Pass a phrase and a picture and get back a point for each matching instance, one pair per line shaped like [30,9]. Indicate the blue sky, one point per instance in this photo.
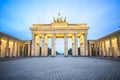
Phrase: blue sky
[17,16]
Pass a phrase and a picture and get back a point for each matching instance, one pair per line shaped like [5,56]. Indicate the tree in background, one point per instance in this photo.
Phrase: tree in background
[70,51]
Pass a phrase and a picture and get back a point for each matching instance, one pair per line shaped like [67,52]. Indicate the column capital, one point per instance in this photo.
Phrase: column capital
[14,41]
[8,39]
[76,33]
[65,33]
[53,33]
[33,34]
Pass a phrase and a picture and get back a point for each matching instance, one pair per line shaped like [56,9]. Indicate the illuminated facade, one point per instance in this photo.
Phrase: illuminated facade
[9,46]
[107,46]
[59,30]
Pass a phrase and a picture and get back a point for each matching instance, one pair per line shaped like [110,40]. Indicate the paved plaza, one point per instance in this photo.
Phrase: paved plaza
[60,68]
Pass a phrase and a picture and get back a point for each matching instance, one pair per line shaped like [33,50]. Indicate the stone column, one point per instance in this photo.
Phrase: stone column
[40,47]
[118,45]
[18,48]
[23,49]
[37,45]
[73,45]
[96,48]
[33,45]
[81,46]
[85,45]
[43,45]
[111,52]
[46,46]
[7,48]
[105,49]
[76,45]
[100,48]
[13,50]
[90,49]
[28,50]
[53,53]
[65,45]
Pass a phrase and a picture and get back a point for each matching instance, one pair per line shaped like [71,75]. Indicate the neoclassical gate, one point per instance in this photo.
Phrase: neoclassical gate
[59,29]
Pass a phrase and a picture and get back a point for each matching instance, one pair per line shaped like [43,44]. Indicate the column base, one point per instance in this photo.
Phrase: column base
[65,55]
[105,56]
[118,56]
[53,56]
[74,56]
[44,55]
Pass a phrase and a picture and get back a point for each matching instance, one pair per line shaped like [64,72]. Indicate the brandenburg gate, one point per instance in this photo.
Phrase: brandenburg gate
[59,28]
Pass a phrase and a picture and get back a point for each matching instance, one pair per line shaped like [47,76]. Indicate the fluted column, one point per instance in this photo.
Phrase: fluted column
[13,50]
[85,45]
[33,44]
[82,45]
[46,46]
[73,45]
[65,45]
[28,55]
[18,48]
[96,48]
[53,45]
[105,49]
[37,45]
[90,49]
[23,49]
[76,45]
[111,52]
[100,49]
[7,48]
[43,45]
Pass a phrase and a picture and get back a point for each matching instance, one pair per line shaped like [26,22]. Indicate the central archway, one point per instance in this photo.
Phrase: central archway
[59,46]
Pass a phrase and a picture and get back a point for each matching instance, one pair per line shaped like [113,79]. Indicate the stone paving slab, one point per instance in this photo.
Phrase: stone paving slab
[12,58]
[60,68]
[109,58]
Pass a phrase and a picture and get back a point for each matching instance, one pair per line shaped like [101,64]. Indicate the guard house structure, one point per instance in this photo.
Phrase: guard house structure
[107,46]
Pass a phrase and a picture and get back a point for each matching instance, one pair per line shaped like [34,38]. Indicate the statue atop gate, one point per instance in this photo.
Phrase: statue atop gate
[59,18]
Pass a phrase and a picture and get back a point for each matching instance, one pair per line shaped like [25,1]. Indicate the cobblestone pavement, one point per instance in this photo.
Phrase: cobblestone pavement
[9,59]
[60,68]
